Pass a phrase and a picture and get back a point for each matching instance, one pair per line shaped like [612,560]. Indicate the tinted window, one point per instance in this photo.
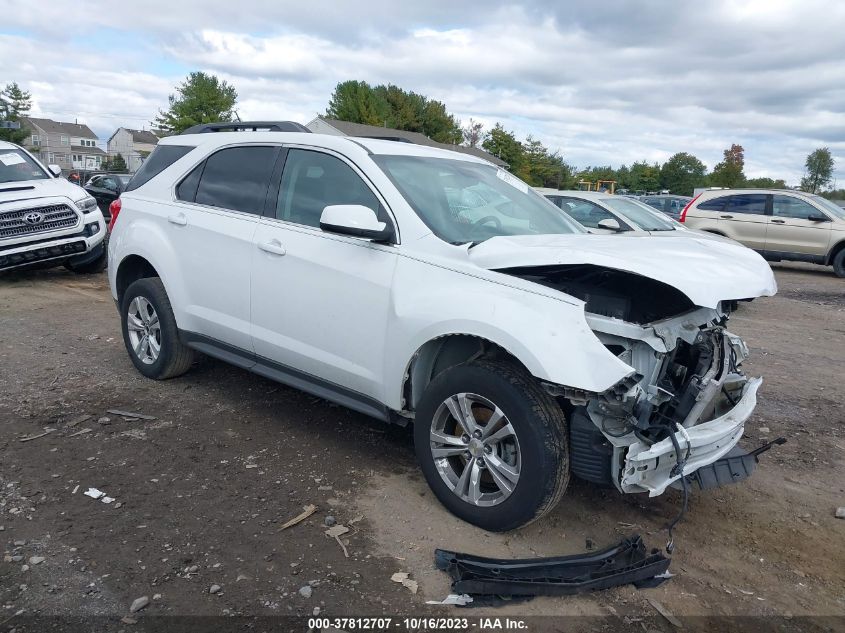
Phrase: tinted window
[312,181]
[237,178]
[639,214]
[751,203]
[163,156]
[187,189]
[585,213]
[716,204]
[789,207]
[109,183]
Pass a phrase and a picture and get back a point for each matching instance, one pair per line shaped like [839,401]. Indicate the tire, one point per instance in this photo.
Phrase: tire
[839,263]
[173,358]
[540,440]
[96,266]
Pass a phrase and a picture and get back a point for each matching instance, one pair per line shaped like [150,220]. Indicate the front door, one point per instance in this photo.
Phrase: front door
[320,301]
[792,231]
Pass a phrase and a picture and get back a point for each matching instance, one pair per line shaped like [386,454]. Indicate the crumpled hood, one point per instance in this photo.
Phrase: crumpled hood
[47,188]
[707,271]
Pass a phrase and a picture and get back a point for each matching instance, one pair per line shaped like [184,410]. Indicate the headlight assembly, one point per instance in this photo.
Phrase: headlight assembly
[86,204]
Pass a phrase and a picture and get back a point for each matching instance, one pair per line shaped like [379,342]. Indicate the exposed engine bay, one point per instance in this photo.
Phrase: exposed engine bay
[684,405]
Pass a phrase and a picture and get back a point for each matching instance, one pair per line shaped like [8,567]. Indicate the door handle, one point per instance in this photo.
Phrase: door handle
[273,247]
[178,219]
[727,217]
[778,221]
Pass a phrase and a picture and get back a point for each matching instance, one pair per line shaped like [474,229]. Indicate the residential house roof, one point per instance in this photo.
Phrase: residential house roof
[390,134]
[57,127]
[138,136]
[79,149]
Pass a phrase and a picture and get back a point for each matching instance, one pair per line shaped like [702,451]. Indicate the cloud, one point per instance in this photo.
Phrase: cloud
[626,82]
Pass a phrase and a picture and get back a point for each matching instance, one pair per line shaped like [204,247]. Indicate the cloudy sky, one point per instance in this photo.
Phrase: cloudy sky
[604,82]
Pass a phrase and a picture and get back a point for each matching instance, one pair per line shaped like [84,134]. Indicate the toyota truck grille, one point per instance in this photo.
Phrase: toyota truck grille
[24,222]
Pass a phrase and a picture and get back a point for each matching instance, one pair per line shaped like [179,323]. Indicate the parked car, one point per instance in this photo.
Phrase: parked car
[419,285]
[46,220]
[106,188]
[605,213]
[668,204]
[779,224]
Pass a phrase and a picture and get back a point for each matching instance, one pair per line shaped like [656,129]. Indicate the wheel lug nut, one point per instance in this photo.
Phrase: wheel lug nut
[477,434]
[467,454]
[488,449]
[465,438]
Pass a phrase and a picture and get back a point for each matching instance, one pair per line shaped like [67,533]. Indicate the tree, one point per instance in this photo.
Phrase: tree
[765,183]
[819,167]
[391,106]
[14,106]
[201,98]
[504,145]
[472,133]
[118,164]
[729,172]
[356,102]
[682,173]
[643,177]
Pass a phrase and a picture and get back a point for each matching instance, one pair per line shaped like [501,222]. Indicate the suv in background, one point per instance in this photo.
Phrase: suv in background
[419,285]
[779,224]
[46,220]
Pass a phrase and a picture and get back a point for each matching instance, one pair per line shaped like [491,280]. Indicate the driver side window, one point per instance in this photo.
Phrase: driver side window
[585,213]
[789,207]
[311,181]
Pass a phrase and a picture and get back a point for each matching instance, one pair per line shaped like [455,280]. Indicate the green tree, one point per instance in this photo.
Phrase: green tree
[356,102]
[391,106]
[819,166]
[682,173]
[473,134]
[644,177]
[504,145]
[118,164]
[729,173]
[765,183]
[201,98]
[14,106]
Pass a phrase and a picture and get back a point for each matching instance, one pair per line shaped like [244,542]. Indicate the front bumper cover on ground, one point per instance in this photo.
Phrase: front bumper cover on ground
[629,562]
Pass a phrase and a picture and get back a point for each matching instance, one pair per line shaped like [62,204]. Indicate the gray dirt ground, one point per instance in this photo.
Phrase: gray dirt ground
[202,490]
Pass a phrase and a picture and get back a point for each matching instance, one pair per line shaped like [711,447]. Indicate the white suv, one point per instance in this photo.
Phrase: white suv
[44,219]
[420,285]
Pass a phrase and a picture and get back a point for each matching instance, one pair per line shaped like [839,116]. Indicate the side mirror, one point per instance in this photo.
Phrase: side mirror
[818,217]
[55,170]
[356,220]
[610,224]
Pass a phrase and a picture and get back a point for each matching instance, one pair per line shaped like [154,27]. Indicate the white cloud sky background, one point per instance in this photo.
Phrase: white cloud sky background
[604,83]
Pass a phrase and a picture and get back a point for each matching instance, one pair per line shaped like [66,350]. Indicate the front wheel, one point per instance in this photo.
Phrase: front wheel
[492,444]
[150,333]
[839,263]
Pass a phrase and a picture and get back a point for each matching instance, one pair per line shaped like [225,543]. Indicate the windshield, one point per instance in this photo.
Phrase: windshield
[462,202]
[16,165]
[830,207]
[639,214]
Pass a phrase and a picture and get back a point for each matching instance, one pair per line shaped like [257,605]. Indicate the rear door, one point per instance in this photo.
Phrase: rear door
[791,231]
[212,226]
[744,218]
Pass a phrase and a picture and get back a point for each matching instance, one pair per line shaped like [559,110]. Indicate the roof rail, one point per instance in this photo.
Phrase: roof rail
[243,126]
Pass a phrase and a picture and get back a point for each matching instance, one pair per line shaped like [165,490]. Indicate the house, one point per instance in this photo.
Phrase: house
[133,145]
[68,145]
[322,125]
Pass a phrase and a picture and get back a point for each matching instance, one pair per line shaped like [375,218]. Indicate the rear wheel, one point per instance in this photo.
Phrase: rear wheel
[492,444]
[150,333]
[839,263]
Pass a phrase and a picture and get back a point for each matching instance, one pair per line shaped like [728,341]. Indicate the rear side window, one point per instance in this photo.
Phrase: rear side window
[236,178]
[716,204]
[752,203]
[187,189]
[163,156]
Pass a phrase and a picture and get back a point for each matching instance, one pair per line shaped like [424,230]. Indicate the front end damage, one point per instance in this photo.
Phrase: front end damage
[687,384]
[683,407]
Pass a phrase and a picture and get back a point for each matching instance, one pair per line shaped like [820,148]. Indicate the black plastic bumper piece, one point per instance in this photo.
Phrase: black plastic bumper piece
[629,562]
[732,468]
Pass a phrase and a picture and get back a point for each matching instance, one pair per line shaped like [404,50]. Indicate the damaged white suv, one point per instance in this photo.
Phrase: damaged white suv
[420,285]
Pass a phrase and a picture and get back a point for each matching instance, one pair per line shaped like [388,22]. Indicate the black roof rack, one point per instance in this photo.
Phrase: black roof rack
[252,126]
